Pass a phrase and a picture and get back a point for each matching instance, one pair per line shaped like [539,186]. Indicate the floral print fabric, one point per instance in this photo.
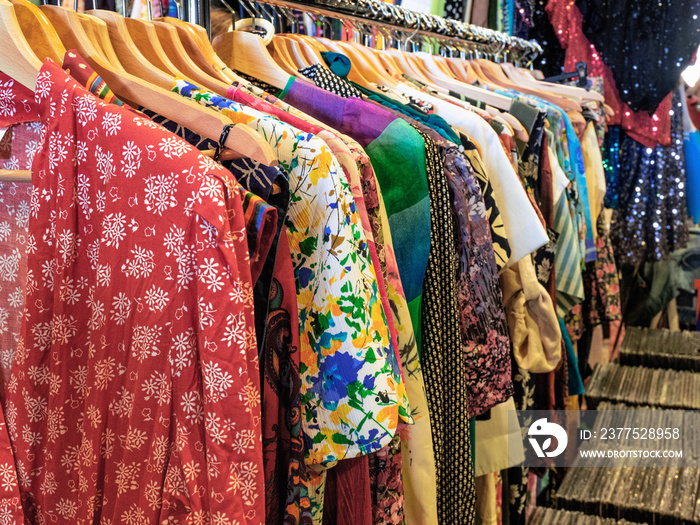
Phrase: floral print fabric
[485,340]
[128,370]
[16,152]
[17,149]
[416,442]
[352,392]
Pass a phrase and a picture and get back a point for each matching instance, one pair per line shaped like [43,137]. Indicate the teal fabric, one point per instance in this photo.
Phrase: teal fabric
[339,64]
[574,167]
[434,121]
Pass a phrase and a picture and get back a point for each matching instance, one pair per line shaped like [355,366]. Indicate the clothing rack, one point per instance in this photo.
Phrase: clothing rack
[391,18]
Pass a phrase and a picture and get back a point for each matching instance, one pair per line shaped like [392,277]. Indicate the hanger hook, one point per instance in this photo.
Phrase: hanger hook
[149,10]
[245,5]
[412,35]
[291,20]
[227,6]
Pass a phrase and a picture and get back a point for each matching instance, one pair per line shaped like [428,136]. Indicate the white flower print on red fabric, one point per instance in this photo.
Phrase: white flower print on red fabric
[125,365]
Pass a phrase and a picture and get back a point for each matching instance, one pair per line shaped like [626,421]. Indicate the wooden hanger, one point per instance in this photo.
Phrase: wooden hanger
[494,100]
[464,67]
[308,52]
[437,77]
[390,65]
[517,76]
[387,65]
[17,58]
[298,57]
[282,55]
[402,61]
[129,55]
[196,41]
[373,69]
[495,74]
[441,63]
[144,35]
[101,38]
[38,31]
[209,49]
[174,49]
[251,57]
[19,62]
[136,91]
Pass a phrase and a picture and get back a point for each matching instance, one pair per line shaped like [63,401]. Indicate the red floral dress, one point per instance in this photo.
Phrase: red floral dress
[134,396]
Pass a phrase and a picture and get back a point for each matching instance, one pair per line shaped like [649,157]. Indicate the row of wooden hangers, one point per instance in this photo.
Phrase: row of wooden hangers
[140,59]
[286,53]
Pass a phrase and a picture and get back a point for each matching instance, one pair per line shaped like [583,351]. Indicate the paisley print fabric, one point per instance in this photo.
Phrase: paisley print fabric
[485,340]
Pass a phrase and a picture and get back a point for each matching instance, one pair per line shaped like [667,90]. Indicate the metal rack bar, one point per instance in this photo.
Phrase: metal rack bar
[387,16]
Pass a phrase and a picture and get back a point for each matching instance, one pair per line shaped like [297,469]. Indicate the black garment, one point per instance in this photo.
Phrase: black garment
[441,355]
[326,79]
[649,222]
[522,18]
[455,9]
[646,44]
[551,62]
[516,495]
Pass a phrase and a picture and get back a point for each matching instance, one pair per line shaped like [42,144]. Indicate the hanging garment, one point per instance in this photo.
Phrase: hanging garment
[418,462]
[610,150]
[385,469]
[501,247]
[344,483]
[158,429]
[649,130]
[650,221]
[286,481]
[497,441]
[16,153]
[390,148]
[570,157]
[485,340]
[441,359]
[525,233]
[455,9]
[17,150]
[567,269]
[340,390]
[646,45]
[484,336]
[326,79]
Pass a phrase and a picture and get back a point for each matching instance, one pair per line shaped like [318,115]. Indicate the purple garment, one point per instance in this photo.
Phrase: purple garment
[363,121]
